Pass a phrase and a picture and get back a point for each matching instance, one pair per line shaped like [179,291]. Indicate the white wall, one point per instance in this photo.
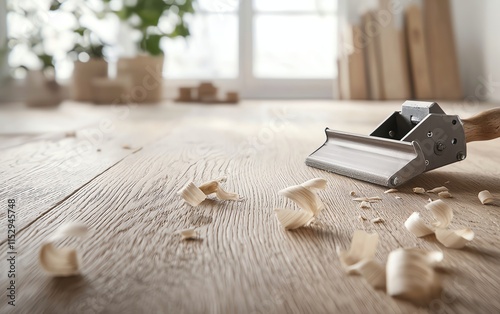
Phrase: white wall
[491,50]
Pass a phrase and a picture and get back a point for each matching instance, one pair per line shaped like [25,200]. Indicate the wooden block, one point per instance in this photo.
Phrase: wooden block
[357,68]
[444,72]
[232,97]
[417,49]
[185,94]
[370,30]
[352,72]
[207,92]
[394,65]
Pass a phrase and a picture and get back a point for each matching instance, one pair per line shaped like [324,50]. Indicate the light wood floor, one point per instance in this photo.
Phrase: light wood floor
[244,262]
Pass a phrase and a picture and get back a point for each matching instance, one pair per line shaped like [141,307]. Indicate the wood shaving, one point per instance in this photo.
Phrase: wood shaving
[445,194]
[292,219]
[315,184]
[304,195]
[408,274]
[363,248]
[398,197]
[377,220]
[391,191]
[418,190]
[353,193]
[62,262]
[447,182]
[373,272]
[411,276]
[454,239]
[362,218]
[365,205]
[360,258]
[429,200]
[417,226]
[126,146]
[485,197]
[70,134]
[443,214]
[194,195]
[438,189]
[188,234]
[372,199]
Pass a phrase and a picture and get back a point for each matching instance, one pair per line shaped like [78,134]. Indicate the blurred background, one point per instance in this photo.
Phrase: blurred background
[99,50]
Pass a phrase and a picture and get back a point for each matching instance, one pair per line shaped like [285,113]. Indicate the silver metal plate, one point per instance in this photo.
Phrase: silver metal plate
[377,160]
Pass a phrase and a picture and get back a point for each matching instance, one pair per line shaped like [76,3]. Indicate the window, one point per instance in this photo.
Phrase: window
[263,48]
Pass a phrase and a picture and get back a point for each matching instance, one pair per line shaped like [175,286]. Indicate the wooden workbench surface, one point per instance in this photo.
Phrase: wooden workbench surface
[120,175]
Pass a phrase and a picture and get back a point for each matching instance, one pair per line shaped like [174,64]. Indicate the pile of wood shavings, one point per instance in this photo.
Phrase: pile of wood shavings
[408,274]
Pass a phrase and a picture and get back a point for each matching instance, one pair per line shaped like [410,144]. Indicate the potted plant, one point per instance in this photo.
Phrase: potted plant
[143,18]
[39,62]
[87,51]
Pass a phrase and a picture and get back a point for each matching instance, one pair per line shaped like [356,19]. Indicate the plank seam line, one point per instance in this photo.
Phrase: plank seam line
[73,193]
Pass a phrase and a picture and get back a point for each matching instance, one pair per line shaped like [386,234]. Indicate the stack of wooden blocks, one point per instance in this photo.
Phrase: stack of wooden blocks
[379,61]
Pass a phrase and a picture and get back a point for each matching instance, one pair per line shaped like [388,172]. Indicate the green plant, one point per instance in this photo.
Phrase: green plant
[32,38]
[145,16]
[85,40]
[42,39]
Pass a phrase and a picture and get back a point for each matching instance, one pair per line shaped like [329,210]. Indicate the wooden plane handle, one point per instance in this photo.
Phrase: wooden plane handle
[483,126]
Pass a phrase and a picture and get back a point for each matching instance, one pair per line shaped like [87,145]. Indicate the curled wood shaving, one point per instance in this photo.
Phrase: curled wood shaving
[441,212]
[62,262]
[445,194]
[391,191]
[353,193]
[365,205]
[293,219]
[454,239]
[315,184]
[377,220]
[438,189]
[360,258]
[485,197]
[417,226]
[188,234]
[429,200]
[362,218]
[363,248]
[194,195]
[418,190]
[373,272]
[304,195]
[410,275]
[398,197]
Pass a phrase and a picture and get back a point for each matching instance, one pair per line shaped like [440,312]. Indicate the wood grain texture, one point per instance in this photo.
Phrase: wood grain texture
[445,74]
[483,126]
[244,262]
[44,169]
[417,49]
